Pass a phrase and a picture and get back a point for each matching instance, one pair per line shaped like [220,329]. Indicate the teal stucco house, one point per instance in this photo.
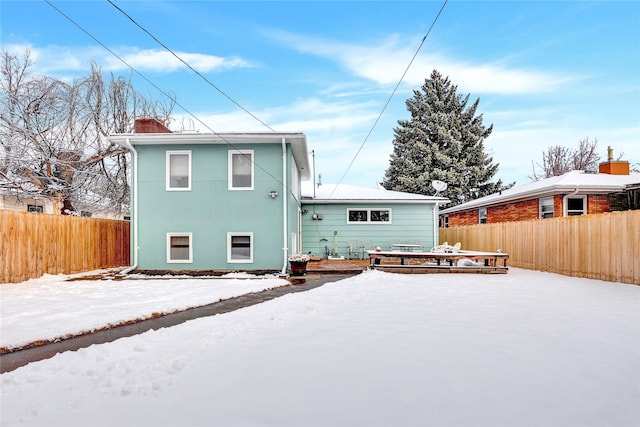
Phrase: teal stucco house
[205,201]
[233,202]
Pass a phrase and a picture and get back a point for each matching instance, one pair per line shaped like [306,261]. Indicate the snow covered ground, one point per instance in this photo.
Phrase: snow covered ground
[379,349]
[51,307]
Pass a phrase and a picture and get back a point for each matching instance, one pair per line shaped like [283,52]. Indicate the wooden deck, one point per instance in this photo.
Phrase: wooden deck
[438,262]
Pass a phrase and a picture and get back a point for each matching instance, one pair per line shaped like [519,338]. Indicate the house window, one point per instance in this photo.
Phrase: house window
[379,215]
[368,216]
[239,247]
[35,208]
[179,248]
[576,205]
[178,170]
[446,221]
[482,216]
[85,214]
[357,216]
[546,207]
[241,170]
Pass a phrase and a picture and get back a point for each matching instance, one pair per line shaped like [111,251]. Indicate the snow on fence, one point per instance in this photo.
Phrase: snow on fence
[35,244]
[603,246]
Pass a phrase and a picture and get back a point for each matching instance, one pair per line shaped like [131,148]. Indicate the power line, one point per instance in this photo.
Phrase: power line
[390,97]
[158,88]
[168,49]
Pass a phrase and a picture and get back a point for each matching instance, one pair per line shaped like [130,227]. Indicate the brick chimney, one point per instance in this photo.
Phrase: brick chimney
[614,167]
[150,125]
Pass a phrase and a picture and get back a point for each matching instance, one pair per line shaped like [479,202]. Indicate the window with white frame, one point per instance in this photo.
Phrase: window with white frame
[241,170]
[35,208]
[179,248]
[178,170]
[368,216]
[482,216]
[576,205]
[239,247]
[546,207]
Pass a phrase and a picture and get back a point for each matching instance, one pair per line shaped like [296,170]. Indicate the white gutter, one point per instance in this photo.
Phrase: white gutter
[134,185]
[436,224]
[285,219]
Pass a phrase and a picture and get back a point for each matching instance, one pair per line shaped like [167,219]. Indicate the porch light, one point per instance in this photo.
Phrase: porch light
[273,194]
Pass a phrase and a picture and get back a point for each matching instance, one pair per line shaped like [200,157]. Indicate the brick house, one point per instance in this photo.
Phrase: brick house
[612,188]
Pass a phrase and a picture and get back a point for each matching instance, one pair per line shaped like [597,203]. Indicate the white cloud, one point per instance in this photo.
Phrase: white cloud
[53,60]
[304,115]
[164,61]
[384,63]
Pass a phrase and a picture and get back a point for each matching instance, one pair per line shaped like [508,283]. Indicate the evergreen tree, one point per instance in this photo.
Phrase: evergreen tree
[443,141]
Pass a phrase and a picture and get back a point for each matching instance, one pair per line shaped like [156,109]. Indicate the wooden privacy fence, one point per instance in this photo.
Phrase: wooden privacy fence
[603,246]
[34,244]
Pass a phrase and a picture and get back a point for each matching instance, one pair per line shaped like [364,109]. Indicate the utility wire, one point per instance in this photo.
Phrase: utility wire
[168,49]
[395,89]
[157,88]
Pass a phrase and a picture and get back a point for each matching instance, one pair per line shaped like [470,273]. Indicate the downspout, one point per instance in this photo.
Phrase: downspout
[285,219]
[134,218]
[435,225]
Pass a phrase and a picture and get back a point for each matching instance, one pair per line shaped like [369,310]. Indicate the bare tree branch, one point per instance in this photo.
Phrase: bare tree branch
[559,159]
[53,134]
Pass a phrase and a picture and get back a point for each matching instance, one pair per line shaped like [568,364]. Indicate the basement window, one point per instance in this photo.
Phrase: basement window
[35,208]
[179,248]
[240,247]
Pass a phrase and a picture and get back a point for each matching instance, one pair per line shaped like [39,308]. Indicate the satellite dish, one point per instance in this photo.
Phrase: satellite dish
[438,185]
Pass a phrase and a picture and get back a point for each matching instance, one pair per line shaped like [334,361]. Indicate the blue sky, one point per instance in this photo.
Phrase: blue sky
[546,73]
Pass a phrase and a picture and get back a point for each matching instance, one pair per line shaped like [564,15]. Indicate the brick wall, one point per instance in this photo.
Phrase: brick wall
[597,204]
[463,218]
[526,210]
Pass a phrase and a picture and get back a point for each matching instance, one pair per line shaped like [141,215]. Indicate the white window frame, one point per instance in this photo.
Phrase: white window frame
[482,211]
[179,261]
[542,204]
[368,210]
[230,169]
[168,170]
[35,208]
[230,236]
[566,204]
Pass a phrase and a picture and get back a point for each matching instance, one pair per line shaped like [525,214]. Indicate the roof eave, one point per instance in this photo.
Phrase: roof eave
[527,195]
[376,201]
[297,140]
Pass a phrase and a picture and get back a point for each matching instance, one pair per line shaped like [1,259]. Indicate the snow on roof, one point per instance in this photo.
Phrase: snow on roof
[333,193]
[583,182]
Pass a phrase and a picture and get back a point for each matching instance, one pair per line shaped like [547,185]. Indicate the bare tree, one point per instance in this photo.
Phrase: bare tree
[559,159]
[53,135]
